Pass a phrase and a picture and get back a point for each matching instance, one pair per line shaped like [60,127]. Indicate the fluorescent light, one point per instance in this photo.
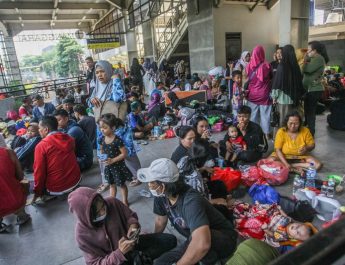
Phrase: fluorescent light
[79,23]
[20,18]
[83,17]
[22,25]
[17,10]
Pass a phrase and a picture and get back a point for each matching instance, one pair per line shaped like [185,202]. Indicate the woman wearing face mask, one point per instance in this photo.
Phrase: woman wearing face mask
[105,228]
[187,137]
[313,68]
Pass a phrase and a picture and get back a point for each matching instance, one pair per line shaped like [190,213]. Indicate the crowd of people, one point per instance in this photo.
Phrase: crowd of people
[59,140]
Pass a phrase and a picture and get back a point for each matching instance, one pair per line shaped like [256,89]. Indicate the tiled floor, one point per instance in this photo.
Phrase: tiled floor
[49,238]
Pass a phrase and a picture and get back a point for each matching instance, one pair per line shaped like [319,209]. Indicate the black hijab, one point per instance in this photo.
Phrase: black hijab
[288,77]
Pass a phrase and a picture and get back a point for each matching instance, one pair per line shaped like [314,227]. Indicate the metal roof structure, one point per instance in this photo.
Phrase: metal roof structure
[19,15]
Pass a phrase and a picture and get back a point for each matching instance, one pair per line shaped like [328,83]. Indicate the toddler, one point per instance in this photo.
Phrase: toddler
[237,142]
[237,92]
[113,154]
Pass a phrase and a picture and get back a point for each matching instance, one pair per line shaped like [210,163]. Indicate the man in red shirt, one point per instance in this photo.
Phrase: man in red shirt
[56,170]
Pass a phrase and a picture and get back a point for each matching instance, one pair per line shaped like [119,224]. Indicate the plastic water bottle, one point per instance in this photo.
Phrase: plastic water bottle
[330,188]
[310,176]
[324,188]
[298,183]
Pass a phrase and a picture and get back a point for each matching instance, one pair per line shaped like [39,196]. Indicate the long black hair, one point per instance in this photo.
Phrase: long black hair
[320,49]
[288,77]
[182,131]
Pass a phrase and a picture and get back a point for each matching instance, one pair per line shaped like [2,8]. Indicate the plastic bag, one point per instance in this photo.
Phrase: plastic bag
[249,175]
[230,177]
[274,172]
[264,194]
[12,115]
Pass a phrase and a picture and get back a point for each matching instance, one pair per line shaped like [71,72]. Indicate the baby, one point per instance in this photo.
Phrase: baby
[237,142]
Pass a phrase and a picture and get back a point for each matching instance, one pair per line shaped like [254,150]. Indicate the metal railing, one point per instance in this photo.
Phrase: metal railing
[172,27]
[44,87]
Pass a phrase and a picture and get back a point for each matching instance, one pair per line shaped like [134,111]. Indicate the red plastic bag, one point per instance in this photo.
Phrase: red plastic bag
[169,133]
[249,175]
[12,115]
[274,172]
[230,177]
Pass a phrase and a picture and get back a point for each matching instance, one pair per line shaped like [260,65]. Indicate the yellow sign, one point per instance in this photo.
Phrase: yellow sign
[94,46]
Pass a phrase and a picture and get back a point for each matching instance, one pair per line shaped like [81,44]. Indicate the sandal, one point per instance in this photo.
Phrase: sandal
[102,188]
[23,219]
[134,183]
[4,228]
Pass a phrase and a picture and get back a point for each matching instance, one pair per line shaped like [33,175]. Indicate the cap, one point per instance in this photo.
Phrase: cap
[162,169]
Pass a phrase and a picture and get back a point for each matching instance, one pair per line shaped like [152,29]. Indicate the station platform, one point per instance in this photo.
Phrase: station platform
[48,239]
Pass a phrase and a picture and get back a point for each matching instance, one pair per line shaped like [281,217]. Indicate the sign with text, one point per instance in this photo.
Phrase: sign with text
[103,43]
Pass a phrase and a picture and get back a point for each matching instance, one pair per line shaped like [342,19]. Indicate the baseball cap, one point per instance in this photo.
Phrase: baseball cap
[162,169]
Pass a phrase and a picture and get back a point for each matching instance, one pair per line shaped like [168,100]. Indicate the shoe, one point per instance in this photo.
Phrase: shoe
[134,183]
[23,219]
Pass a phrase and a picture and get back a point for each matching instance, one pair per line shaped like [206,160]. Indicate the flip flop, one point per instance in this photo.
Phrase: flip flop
[134,183]
[102,188]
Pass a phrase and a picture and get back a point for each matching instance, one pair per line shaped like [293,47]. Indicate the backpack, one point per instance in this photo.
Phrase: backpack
[300,211]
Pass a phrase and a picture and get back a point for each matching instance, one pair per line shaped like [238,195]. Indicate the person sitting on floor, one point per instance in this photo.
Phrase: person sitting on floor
[25,110]
[25,153]
[293,144]
[136,122]
[107,231]
[67,105]
[253,136]
[84,149]
[13,197]
[41,108]
[87,123]
[56,170]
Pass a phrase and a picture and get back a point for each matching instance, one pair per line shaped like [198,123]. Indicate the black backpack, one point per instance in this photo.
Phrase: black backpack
[300,211]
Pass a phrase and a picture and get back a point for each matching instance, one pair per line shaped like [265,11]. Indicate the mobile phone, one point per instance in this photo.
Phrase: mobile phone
[135,234]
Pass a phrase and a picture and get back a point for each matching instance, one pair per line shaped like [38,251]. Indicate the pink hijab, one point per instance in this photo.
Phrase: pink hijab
[257,58]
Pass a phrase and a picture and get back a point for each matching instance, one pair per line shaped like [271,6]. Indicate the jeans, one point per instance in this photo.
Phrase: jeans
[223,244]
[261,115]
[310,105]
[153,245]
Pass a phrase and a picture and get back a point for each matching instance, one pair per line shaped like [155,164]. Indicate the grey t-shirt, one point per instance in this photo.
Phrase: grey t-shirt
[190,212]
[88,124]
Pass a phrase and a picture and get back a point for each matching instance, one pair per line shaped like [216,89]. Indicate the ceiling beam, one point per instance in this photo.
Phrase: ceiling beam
[116,3]
[271,4]
[50,5]
[48,17]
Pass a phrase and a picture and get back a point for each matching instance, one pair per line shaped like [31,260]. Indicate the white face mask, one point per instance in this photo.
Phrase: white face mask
[100,218]
[155,193]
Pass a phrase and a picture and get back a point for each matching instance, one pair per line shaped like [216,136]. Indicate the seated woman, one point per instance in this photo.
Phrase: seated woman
[156,109]
[136,122]
[13,198]
[186,134]
[293,144]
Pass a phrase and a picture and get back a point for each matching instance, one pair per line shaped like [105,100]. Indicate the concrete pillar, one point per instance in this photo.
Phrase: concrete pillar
[201,35]
[148,41]
[131,41]
[285,23]
[299,23]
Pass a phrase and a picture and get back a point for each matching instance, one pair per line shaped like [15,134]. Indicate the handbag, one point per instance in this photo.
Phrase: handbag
[275,116]
[246,84]
[119,109]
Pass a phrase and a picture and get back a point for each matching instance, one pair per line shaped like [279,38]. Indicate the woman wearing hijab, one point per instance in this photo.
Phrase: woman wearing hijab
[137,72]
[287,87]
[155,108]
[259,88]
[243,61]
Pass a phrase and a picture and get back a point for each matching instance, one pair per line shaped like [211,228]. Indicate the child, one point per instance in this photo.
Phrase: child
[26,152]
[137,123]
[237,142]
[222,99]
[270,224]
[116,171]
[77,95]
[237,92]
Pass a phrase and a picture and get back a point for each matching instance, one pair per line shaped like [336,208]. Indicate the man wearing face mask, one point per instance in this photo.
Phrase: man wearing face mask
[106,229]
[209,236]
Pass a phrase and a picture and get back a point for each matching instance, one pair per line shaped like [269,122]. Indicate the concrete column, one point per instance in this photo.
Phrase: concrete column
[131,41]
[148,41]
[285,23]
[299,23]
[201,35]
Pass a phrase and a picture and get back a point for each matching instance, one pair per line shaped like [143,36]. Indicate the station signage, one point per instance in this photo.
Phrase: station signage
[103,43]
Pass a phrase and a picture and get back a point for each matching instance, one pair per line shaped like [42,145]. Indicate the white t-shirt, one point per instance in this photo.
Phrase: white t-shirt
[41,109]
